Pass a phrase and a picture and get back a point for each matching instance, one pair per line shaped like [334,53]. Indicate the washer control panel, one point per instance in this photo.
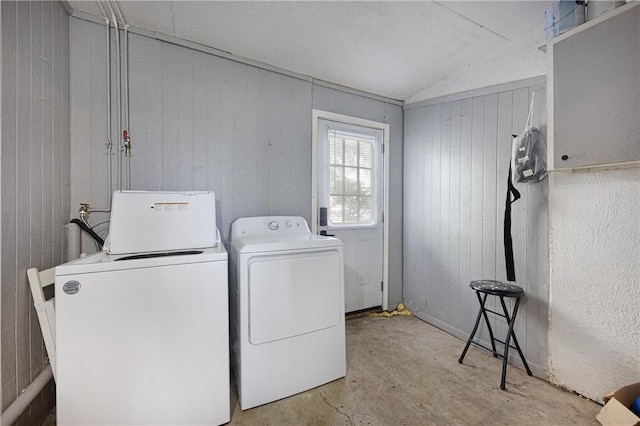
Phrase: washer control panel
[266,226]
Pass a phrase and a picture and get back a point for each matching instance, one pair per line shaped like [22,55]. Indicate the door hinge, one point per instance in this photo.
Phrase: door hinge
[381,286]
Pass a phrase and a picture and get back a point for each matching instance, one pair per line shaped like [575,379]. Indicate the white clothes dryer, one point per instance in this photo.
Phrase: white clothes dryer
[142,338]
[287,308]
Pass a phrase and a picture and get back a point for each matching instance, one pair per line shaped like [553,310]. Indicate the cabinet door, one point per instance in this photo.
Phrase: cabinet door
[595,77]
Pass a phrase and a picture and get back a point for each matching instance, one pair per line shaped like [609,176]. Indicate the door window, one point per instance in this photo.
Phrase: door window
[353,182]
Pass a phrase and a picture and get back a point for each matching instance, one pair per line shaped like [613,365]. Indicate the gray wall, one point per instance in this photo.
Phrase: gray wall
[34,182]
[200,121]
[456,159]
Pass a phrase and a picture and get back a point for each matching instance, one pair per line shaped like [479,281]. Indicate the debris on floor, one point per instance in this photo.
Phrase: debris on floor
[400,310]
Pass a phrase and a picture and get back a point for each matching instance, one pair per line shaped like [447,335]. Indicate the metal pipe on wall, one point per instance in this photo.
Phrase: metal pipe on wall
[109,142]
[126,101]
[119,96]
[125,57]
[110,11]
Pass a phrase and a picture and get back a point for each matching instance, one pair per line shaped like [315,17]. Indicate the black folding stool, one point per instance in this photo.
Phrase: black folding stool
[502,290]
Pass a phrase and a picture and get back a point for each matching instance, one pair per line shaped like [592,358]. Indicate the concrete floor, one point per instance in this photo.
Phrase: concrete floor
[402,371]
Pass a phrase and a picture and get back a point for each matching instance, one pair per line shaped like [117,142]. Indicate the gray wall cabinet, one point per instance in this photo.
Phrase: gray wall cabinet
[594,76]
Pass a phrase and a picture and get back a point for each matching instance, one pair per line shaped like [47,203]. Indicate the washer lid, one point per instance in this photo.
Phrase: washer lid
[103,262]
[282,243]
[151,221]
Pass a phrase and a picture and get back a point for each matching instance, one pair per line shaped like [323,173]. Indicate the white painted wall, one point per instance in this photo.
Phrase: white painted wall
[594,337]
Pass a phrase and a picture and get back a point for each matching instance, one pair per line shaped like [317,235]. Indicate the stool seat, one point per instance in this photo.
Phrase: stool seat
[484,288]
[497,288]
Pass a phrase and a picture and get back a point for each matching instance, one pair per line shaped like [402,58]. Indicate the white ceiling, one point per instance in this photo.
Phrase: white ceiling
[401,50]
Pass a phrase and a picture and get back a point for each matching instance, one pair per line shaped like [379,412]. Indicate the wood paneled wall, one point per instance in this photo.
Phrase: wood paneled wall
[34,182]
[199,121]
[456,159]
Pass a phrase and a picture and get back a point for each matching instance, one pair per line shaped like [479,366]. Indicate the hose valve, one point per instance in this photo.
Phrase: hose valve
[127,143]
[84,209]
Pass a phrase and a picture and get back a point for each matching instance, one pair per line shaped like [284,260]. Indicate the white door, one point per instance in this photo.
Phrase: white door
[349,202]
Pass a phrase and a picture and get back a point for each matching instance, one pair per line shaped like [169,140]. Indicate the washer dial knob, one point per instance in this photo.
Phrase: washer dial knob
[273,225]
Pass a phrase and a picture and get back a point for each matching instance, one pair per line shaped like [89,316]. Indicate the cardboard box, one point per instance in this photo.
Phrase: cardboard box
[616,411]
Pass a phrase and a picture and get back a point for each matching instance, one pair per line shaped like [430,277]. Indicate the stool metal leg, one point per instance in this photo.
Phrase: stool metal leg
[486,320]
[513,334]
[481,313]
[510,333]
[475,327]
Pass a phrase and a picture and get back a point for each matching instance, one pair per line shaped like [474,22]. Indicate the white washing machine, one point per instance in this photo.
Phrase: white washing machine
[287,308]
[142,336]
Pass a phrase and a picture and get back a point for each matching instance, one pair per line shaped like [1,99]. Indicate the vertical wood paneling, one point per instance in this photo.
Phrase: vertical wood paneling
[394,116]
[200,122]
[139,130]
[426,258]
[35,182]
[8,217]
[47,131]
[456,159]
[149,120]
[221,162]
[489,195]
[466,297]
[89,120]
[444,213]
[83,115]
[94,86]
[184,140]
[454,214]
[412,198]
[476,198]
[170,119]
[23,184]
[434,212]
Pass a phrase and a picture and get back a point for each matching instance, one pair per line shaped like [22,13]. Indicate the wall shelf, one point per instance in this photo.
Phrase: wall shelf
[599,167]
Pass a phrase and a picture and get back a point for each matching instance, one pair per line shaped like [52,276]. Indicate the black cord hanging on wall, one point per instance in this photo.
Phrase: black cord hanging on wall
[508,241]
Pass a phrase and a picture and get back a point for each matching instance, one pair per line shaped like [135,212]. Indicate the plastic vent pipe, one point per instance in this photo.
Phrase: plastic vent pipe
[27,396]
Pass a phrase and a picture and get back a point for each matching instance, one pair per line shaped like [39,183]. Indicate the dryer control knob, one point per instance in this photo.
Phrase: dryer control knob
[273,225]
[287,223]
